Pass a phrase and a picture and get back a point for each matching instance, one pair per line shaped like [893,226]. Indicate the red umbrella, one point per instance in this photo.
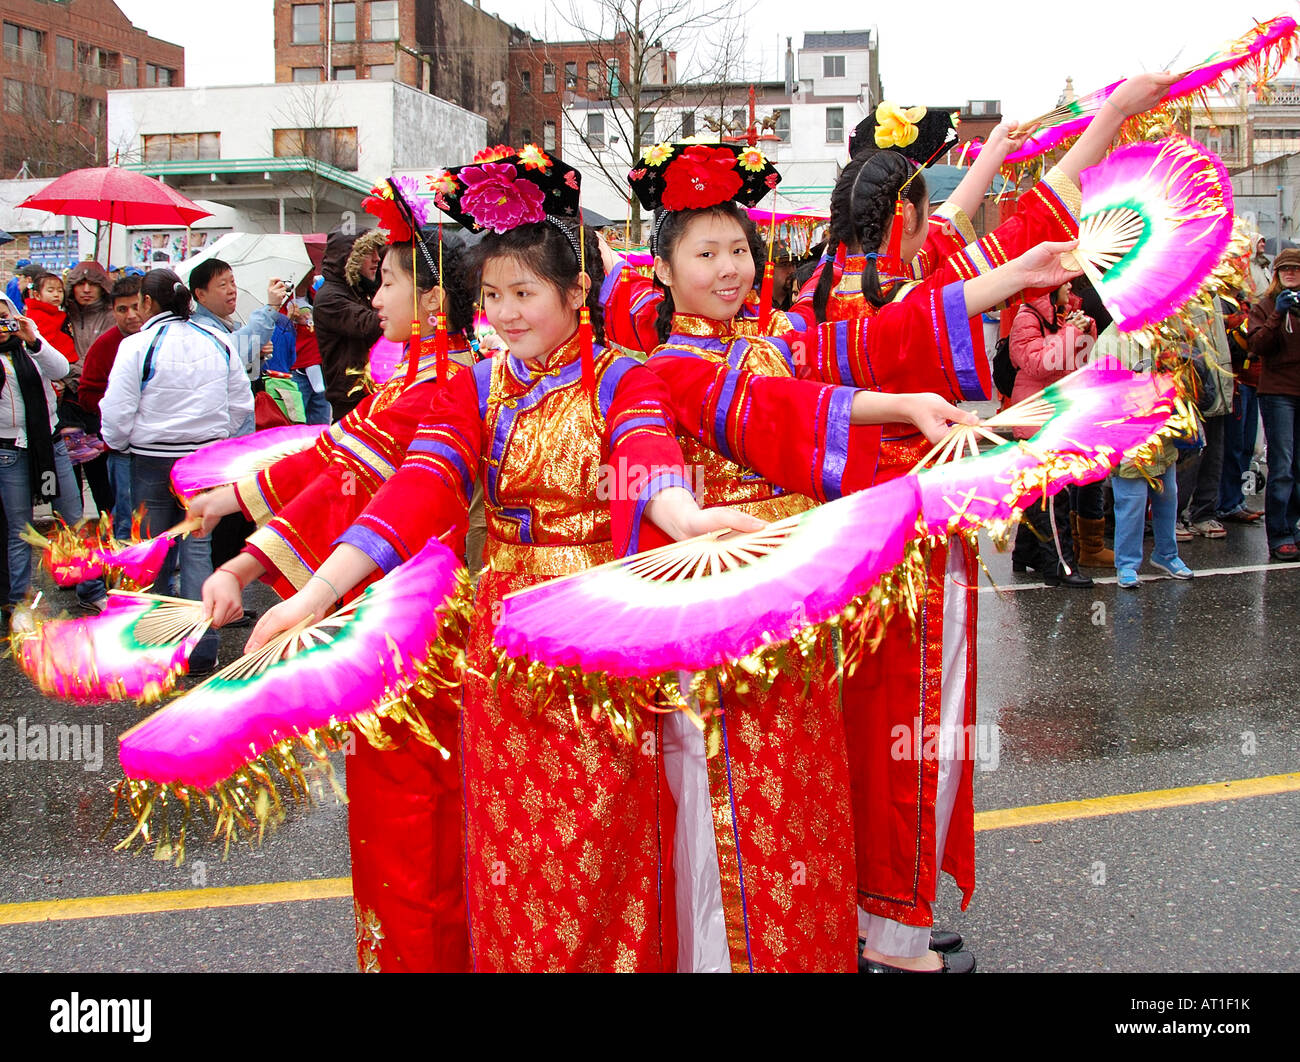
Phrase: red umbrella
[118,196]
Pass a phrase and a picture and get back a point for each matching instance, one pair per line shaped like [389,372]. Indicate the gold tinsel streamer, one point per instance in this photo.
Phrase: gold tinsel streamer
[245,804]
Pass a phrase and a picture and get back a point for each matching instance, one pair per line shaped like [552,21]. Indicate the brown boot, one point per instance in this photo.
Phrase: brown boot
[1092,552]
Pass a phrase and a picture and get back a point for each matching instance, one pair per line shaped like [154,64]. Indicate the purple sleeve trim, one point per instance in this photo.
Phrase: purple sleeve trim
[373,545]
[654,486]
[611,281]
[635,422]
[449,454]
[959,342]
[838,419]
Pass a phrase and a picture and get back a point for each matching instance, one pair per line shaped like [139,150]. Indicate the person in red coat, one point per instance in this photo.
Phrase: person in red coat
[45,308]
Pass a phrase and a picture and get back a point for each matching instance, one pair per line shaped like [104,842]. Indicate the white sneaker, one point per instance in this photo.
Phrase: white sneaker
[22,621]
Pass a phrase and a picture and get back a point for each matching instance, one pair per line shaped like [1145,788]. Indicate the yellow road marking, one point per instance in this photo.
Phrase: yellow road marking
[338,888]
[1151,800]
[179,900]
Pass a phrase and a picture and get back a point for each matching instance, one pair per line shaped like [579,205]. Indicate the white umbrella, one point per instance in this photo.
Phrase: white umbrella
[256,258]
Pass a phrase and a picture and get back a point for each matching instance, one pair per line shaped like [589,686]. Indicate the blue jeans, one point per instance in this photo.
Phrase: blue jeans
[119,475]
[1130,519]
[151,487]
[1240,430]
[314,402]
[16,495]
[1282,494]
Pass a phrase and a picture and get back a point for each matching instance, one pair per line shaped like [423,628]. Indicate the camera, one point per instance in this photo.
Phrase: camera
[9,325]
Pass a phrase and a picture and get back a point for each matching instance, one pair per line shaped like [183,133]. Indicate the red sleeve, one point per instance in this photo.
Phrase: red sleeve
[1047,212]
[921,342]
[631,306]
[644,457]
[439,470]
[794,433]
[94,375]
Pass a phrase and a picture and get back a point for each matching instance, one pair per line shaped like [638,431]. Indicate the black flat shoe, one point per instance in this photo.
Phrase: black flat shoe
[953,962]
[943,940]
[246,620]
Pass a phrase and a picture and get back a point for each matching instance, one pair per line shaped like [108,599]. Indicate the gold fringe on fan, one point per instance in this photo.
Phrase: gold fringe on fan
[248,802]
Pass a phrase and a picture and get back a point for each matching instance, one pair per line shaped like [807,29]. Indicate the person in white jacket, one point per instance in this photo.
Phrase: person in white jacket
[175,386]
[34,464]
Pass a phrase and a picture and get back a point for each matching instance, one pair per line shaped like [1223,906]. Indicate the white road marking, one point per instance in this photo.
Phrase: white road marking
[1109,580]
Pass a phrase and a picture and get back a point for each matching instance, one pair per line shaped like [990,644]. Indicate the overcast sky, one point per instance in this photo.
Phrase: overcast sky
[931,52]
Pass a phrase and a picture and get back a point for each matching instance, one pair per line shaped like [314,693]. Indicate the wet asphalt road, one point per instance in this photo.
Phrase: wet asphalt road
[1093,693]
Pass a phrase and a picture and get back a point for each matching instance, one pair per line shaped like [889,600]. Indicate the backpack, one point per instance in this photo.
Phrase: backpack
[1004,369]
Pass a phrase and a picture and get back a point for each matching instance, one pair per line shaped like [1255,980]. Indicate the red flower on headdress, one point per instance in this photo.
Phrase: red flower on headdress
[389,216]
[494,154]
[700,177]
[571,179]
[772,180]
[496,200]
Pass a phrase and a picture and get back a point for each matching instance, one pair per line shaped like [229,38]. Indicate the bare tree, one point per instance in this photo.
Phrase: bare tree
[302,129]
[666,51]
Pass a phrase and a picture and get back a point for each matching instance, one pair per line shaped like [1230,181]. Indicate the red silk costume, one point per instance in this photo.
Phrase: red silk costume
[404,810]
[564,859]
[901,684]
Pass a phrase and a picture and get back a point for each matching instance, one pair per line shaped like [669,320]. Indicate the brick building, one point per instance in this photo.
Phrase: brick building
[449,48]
[60,59]
[546,77]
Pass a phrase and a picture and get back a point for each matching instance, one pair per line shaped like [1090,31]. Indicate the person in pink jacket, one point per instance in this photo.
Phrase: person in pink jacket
[1050,337]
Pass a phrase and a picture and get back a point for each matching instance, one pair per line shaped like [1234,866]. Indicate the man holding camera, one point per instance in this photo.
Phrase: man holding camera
[1274,338]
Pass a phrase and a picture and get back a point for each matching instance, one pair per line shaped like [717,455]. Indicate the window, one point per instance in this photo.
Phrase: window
[182,147]
[739,119]
[23,39]
[525,135]
[548,136]
[570,75]
[65,106]
[832,66]
[130,72]
[335,147]
[688,125]
[383,20]
[306,24]
[345,73]
[381,72]
[646,123]
[157,75]
[306,73]
[548,77]
[345,22]
[595,78]
[65,53]
[526,80]
[91,111]
[834,125]
[595,130]
[612,79]
[782,127]
[985,106]
[13,95]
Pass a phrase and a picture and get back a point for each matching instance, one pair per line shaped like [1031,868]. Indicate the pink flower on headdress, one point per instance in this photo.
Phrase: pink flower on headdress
[409,188]
[496,200]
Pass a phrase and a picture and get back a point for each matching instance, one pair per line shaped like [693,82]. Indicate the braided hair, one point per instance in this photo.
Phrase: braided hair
[547,252]
[840,232]
[671,226]
[460,303]
[875,190]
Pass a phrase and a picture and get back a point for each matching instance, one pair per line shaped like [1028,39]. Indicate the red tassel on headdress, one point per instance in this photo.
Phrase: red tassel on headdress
[896,232]
[765,298]
[413,354]
[441,357]
[587,348]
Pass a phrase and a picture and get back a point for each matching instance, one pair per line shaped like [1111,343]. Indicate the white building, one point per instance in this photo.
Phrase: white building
[829,88]
[288,157]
